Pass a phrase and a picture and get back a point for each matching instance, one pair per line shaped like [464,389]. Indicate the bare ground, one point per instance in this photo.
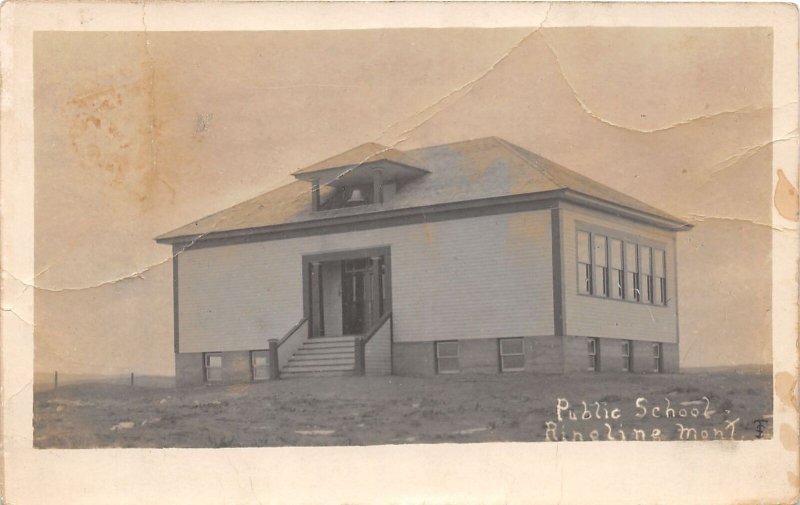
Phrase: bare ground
[399,410]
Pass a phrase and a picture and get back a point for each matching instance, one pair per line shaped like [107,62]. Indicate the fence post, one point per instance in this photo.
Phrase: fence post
[55,380]
[131,378]
[360,358]
[274,366]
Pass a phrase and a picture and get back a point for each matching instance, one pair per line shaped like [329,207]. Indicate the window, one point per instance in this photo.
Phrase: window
[447,357]
[645,261]
[617,279]
[626,356]
[213,361]
[258,362]
[659,268]
[584,263]
[600,265]
[657,358]
[621,270]
[594,363]
[512,355]
[632,291]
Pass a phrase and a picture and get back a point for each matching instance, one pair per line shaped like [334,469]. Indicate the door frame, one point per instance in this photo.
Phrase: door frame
[339,255]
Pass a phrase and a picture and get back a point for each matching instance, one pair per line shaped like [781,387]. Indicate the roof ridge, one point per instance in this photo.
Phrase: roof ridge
[508,146]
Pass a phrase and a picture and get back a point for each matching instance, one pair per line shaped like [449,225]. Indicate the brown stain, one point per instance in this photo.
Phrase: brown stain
[789,438]
[786,389]
[794,480]
[116,132]
[786,198]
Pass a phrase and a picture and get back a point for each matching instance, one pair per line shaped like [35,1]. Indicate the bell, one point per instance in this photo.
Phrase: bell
[356,197]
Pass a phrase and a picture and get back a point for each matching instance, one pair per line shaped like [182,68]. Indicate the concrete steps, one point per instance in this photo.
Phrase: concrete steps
[323,357]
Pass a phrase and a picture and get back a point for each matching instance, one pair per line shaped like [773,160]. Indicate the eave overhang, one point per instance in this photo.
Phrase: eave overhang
[373,217]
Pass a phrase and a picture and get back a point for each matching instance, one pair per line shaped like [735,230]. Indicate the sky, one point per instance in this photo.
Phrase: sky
[137,134]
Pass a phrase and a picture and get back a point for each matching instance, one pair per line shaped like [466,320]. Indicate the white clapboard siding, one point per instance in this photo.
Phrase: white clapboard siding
[480,277]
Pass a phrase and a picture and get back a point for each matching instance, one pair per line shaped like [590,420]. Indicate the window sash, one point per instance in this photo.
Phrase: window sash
[512,347]
[447,349]
[647,280]
[512,363]
[617,288]
[213,366]
[661,291]
[657,358]
[584,278]
[259,363]
[626,356]
[447,357]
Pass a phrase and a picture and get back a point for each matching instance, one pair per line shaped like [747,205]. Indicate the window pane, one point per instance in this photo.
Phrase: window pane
[214,374]
[658,262]
[592,363]
[626,349]
[626,363]
[632,286]
[656,350]
[584,278]
[511,346]
[448,365]
[447,349]
[259,358]
[583,247]
[631,263]
[615,247]
[647,292]
[600,281]
[516,362]
[214,361]
[659,293]
[600,250]
[592,345]
[616,283]
[644,259]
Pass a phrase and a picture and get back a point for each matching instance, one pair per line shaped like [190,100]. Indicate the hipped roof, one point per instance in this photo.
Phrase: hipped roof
[470,170]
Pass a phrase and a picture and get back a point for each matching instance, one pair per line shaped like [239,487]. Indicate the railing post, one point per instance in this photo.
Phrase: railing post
[274,366]
[360,357]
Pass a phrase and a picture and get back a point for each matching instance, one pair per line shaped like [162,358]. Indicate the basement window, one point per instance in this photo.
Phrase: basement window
[626,356]
[258,362]
[512,355]
[657,358]
[447,357]
[594,362]
[213,364]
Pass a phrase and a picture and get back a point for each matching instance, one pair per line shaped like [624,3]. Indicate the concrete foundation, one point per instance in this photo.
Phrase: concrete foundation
[546,354]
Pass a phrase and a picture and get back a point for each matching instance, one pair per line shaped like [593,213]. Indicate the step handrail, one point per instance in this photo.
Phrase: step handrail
[275,344]
[377,326]
[291,332]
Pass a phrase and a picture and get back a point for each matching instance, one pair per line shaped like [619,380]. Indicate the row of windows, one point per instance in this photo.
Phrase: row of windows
[627,357]
[511,354]
[258,366]
[621,270]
